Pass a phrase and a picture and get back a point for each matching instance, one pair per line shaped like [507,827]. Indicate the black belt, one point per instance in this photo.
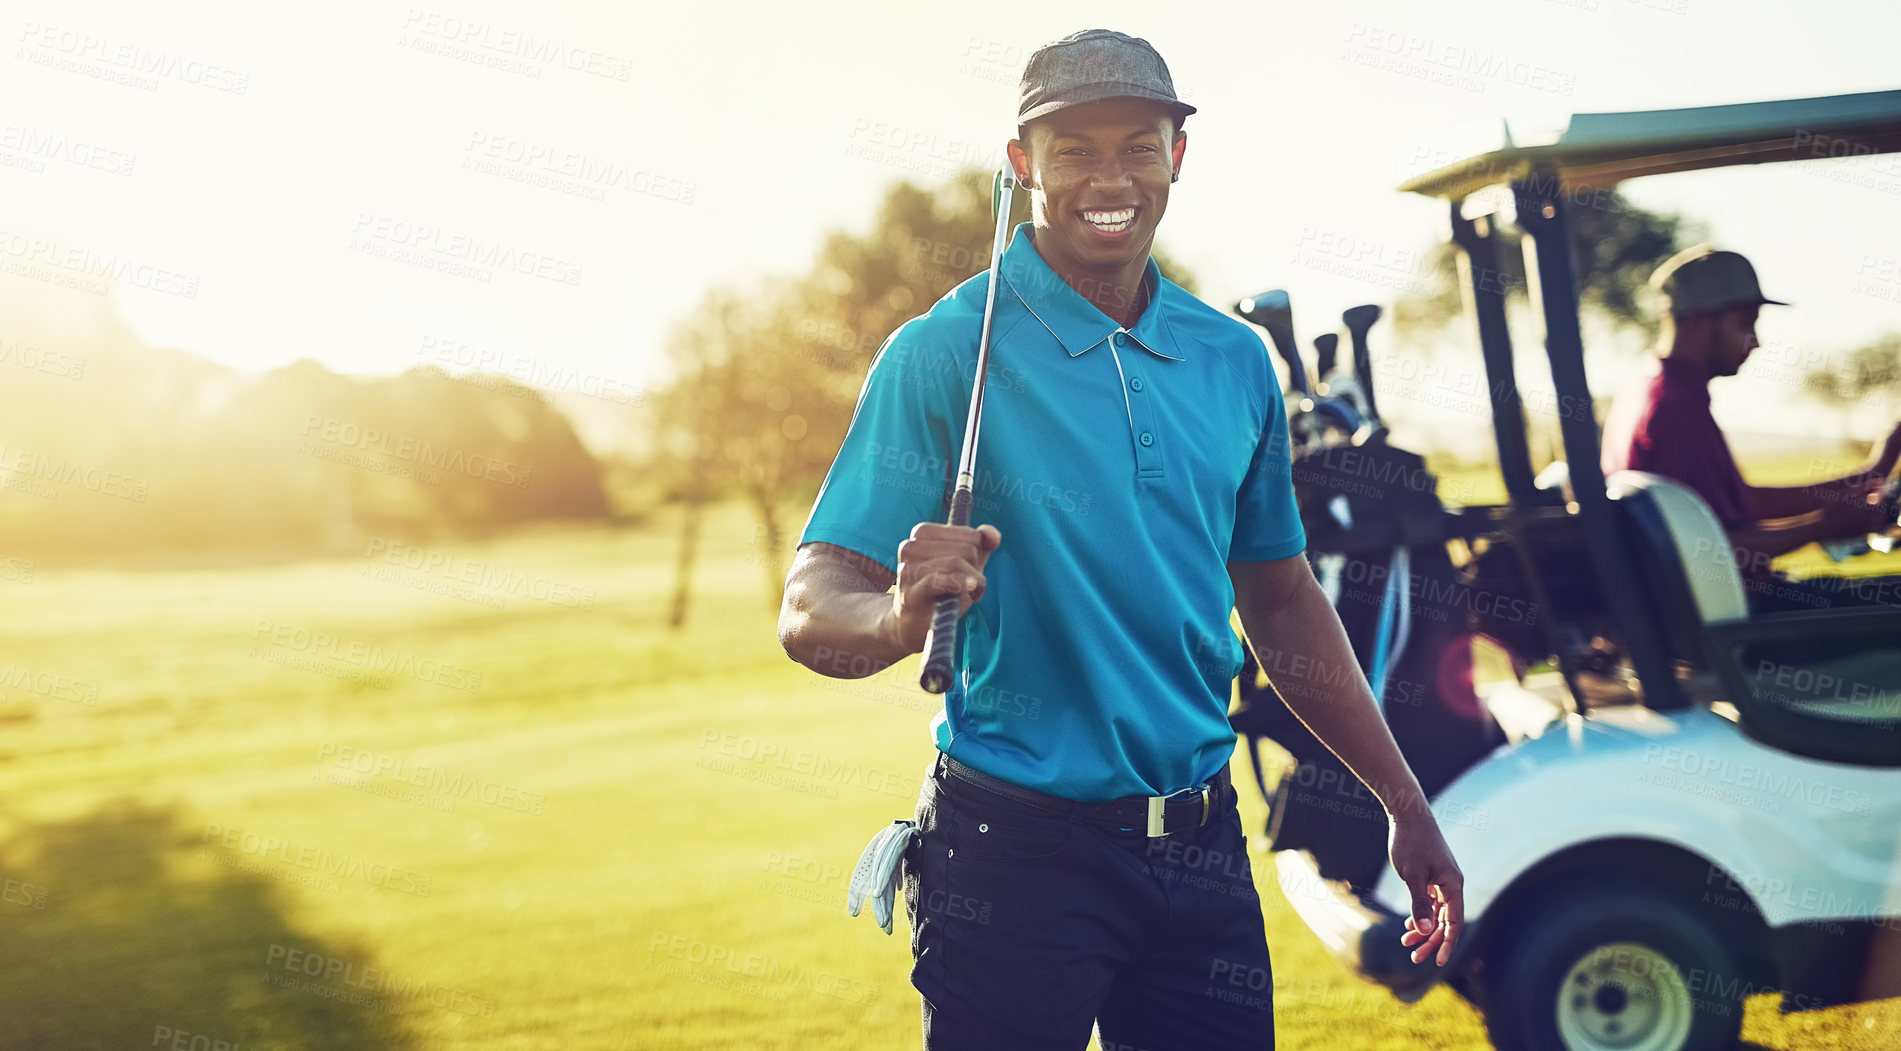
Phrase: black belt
[1158,815]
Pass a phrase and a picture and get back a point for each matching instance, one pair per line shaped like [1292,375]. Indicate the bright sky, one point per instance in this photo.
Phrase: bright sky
[292,185]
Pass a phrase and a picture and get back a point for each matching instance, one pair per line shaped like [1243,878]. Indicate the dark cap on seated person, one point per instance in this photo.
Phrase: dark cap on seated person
[1703,279]
[1092,65]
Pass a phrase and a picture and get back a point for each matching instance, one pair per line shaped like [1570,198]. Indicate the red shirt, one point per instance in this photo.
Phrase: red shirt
[1664,426]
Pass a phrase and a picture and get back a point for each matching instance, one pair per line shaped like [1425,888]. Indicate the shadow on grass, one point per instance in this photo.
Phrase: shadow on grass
[114,930]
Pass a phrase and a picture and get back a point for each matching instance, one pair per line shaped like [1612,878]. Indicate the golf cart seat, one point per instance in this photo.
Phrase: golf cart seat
[1683,553]
[1824,683]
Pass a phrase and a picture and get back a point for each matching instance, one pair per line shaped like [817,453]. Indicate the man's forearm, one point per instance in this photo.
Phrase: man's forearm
[832,627]
[1789,501]
[1758,544]
[1305,651]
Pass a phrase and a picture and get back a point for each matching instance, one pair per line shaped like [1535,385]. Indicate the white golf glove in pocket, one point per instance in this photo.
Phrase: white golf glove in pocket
[876,874]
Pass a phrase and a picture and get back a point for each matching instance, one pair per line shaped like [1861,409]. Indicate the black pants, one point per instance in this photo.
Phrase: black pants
[1027,926]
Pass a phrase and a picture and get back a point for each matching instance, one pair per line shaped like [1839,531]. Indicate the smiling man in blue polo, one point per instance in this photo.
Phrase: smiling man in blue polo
[1079,861]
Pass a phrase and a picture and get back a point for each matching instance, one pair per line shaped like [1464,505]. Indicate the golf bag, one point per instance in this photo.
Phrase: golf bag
[1375,536]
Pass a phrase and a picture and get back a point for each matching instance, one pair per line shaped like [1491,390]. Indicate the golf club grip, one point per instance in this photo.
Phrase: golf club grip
[942,639]
[938,645]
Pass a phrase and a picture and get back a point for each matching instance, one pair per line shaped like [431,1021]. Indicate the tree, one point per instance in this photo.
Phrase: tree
[1863,373]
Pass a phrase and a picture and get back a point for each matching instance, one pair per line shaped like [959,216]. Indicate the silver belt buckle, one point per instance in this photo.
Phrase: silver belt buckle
[1158,806]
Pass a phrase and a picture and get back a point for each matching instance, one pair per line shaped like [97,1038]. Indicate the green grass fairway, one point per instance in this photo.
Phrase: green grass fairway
[492,803]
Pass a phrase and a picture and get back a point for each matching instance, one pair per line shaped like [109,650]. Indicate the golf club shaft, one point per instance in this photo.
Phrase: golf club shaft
[940,643]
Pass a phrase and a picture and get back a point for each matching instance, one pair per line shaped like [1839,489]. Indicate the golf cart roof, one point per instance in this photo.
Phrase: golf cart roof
[1602,149]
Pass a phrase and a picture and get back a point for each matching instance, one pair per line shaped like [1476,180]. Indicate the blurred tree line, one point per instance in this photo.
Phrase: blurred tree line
[110,448]
[1873,371]
[766,377]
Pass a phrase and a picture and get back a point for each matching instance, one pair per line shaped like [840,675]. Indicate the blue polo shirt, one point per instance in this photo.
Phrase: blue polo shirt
[1098,662]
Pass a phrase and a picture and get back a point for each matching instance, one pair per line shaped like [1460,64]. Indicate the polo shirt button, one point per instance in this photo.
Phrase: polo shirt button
[1122,339]
[1135,383]
[1146,438]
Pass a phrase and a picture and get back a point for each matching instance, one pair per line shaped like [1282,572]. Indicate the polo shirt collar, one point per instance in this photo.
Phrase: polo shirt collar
[1076,322]
[1683,377]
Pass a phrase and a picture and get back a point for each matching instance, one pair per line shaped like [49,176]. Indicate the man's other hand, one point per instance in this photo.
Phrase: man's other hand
[1424,862]
[1861,512]
[939,559]
[1882,464]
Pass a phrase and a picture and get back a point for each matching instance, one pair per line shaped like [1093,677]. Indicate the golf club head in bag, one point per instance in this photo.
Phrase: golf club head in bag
[1358,320]
[1274,311]
[1325,346]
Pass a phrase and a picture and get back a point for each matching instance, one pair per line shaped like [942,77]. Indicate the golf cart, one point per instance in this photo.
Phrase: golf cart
[1695,803]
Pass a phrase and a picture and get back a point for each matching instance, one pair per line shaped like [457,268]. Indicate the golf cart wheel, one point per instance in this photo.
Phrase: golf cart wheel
[1615,970]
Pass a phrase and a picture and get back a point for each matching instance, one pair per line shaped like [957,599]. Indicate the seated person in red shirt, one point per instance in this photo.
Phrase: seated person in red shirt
[1663,425]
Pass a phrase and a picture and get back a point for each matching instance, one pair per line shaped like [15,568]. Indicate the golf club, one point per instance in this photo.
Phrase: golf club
[942,638]
[1275,313]
[1358,320]
[1326,345]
